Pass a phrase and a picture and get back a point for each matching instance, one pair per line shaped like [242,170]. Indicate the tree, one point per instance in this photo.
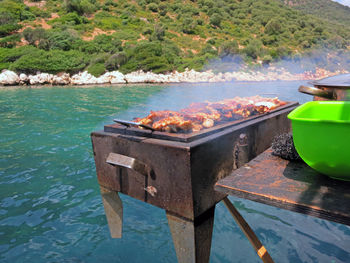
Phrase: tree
[253,49]
[62,40]
[228,48]
[34,36]
[273,27]
[8,23]
[188,25]
[80,6]
[115,61]
[159,32]
[153,7]
[216,19]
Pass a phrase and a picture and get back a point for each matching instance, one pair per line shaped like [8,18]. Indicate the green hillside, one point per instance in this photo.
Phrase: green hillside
[324,9]
[162,36]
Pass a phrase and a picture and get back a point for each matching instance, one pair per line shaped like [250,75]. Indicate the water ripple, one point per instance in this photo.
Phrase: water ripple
[50,205]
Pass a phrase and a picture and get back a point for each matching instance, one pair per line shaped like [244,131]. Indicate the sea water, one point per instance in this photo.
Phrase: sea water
[50,205]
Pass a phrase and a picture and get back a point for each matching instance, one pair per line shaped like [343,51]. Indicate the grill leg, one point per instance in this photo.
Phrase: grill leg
[114,211]
[192,239]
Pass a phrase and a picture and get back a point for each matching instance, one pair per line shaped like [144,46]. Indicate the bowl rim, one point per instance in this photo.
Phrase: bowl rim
[294,114]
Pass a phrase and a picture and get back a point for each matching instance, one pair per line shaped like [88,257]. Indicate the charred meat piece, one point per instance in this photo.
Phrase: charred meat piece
[206,114]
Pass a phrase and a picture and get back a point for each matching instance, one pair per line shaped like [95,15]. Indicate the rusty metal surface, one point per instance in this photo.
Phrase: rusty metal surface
[192,238]
[338,93]
[214,159]
[171,178]
[182,175]
[188,137]
[289,185]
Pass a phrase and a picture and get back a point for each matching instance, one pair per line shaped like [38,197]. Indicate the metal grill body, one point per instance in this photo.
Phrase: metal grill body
[177,172]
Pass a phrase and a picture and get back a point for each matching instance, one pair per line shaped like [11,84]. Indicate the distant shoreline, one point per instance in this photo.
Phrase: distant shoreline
[9,78]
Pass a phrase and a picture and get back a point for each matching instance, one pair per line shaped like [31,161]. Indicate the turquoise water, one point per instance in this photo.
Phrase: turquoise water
[50,206]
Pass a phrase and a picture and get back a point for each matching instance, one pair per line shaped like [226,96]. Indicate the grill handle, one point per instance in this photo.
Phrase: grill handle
[128,162]
[317,92]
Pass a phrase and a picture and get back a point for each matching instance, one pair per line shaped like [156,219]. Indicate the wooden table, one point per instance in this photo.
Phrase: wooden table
[294,186]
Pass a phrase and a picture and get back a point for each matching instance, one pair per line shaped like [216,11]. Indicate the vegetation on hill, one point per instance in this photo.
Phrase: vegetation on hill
[161,36]
[324,9]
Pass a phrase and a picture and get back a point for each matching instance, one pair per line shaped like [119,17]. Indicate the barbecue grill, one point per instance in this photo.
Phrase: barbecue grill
[177,172]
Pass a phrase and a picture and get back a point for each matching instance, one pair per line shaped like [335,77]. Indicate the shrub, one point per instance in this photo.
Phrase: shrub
[209,50]
[52,61]
[10,41]
[229,48]
[141,3]
[269,40]
[267,59]
[148,56]
[200,21]
[147,31]
[80,6]
[96,69]
[216,19]
[159,32]
[62,40]
[112,3]
[99,58]
[153,7]
[211,41]
[188,25]
[87,7]
[8,55]
[152,1]
[253,49]
[115,61]
[34,36]
[36,12]
[305,44]
[86,46]
[273,27]
[107,43]
[162,9]
[70,19]
[8,23]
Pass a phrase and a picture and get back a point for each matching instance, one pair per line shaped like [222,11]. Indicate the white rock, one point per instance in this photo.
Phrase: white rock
[23,77]
[114,77]
[102,79]
[40,78]
[61,79]
[8,77]
[83,78]
[139,77]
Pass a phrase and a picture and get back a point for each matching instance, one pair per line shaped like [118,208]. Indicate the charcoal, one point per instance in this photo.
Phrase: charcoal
[283,146]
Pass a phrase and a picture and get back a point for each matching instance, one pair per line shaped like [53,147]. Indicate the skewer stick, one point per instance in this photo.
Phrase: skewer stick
[249,233]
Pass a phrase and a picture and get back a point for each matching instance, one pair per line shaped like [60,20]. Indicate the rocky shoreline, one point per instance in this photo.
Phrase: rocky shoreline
[10,78]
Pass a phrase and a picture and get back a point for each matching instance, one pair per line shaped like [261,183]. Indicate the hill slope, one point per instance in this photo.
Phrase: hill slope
[324,9]
[162,36]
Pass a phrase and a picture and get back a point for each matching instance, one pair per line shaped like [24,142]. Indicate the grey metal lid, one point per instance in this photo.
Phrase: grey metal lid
[342,80]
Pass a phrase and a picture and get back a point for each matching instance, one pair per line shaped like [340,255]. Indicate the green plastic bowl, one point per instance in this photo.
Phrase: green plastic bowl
[321,135]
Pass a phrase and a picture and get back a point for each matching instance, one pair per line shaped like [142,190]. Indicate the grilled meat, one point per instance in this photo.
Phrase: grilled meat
[205,115]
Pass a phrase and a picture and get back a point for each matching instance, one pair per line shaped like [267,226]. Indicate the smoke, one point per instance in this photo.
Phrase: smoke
[328,60]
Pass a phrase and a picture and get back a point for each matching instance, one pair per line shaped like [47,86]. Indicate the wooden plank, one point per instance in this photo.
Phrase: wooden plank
[248,232]
[289,185]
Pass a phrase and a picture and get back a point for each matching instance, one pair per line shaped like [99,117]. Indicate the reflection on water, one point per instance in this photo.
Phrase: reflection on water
[50,206]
